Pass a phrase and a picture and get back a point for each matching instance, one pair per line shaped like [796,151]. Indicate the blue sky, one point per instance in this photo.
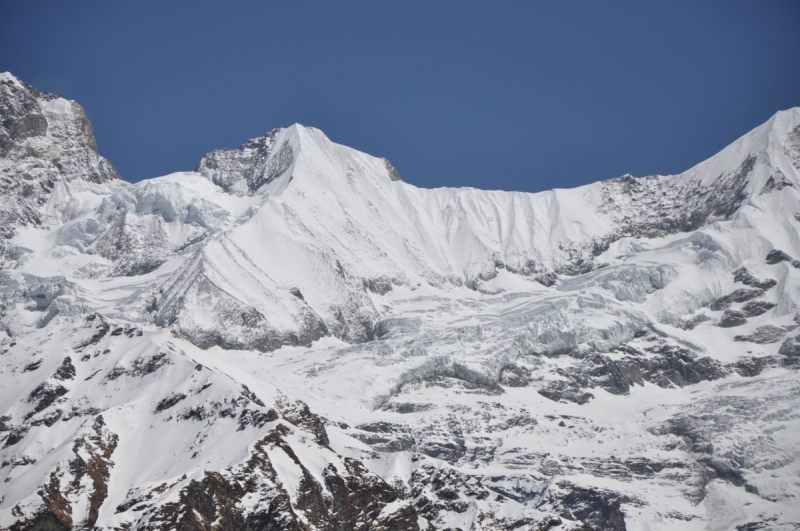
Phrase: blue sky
[498,95]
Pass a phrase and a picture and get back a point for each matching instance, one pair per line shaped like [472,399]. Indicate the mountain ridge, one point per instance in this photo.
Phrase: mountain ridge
[291,337]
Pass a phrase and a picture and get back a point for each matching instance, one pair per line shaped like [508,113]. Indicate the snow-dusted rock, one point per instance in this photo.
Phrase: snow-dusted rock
[291,337]
[47,155]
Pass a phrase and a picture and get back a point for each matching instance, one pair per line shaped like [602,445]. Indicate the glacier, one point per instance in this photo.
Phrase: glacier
[292,337]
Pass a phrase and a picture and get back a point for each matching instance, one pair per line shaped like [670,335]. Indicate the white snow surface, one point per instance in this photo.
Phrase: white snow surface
[454,329]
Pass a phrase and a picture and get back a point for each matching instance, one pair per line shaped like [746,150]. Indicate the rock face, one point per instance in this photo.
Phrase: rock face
[46,143]
[291,337]
[245,170]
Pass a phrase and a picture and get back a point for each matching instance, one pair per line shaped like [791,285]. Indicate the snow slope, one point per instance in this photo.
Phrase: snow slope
[291,337]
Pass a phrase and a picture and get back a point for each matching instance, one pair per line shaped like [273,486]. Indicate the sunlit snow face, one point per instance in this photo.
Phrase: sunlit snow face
[292,325]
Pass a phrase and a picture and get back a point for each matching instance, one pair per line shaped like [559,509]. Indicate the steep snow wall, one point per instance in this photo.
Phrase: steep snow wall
[336,225]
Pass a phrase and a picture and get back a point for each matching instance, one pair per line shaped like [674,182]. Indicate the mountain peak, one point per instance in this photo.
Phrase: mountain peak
[45,142]
[8,77]
[437,358]
[264,160]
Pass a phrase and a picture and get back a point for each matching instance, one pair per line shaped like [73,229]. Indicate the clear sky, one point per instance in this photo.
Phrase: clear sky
[526,95]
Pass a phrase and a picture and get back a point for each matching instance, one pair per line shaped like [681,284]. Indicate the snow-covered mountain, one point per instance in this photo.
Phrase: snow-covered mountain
[291,337]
